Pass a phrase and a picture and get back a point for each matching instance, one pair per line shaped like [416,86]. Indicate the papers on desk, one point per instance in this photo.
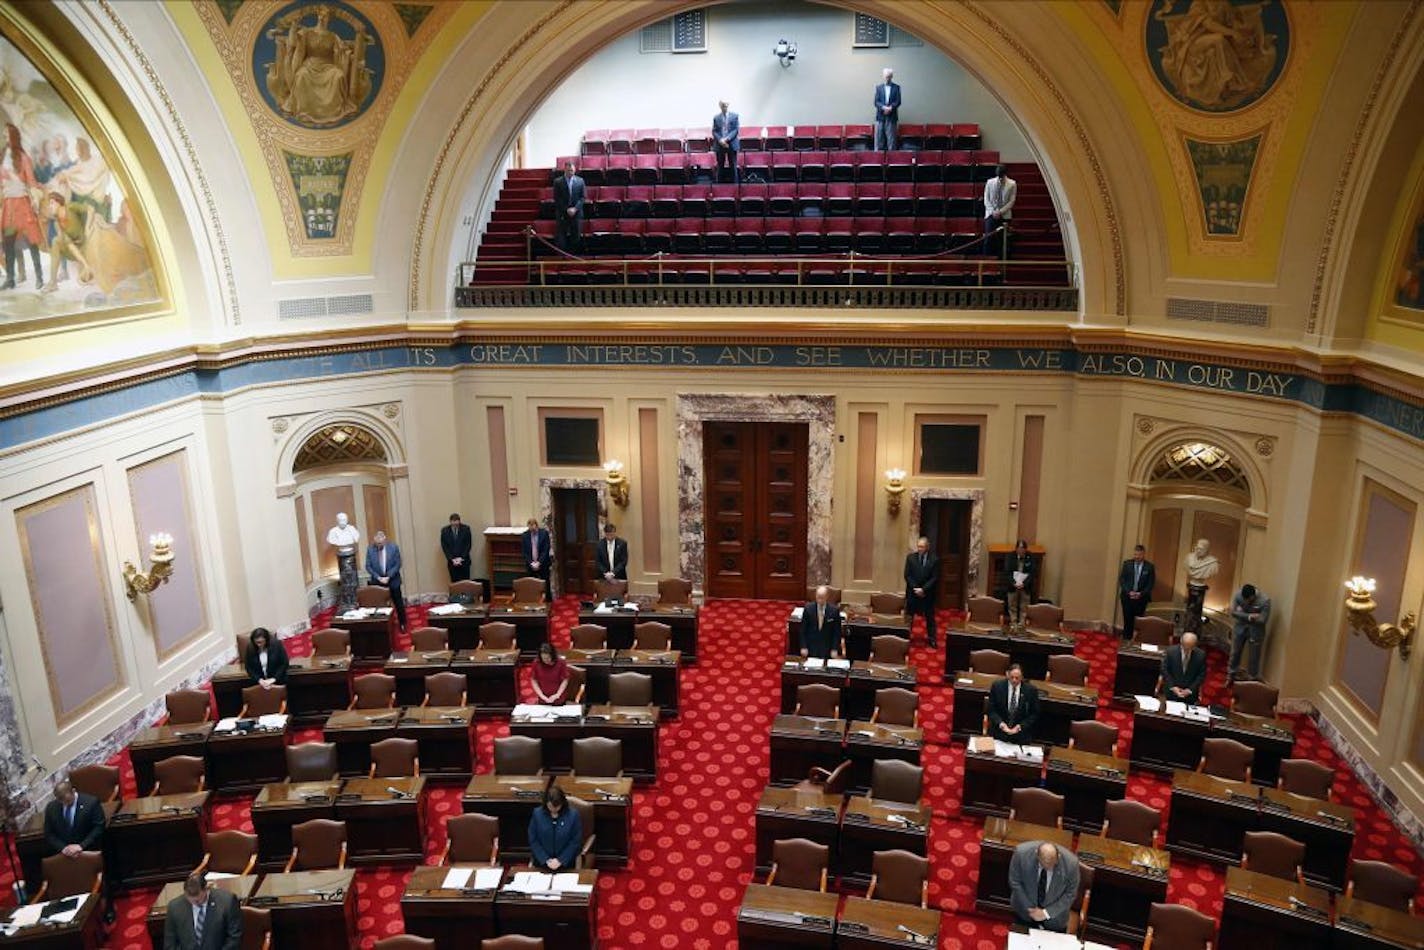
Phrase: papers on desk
[1149,648]
[1148,703]
[624,608]
[838,664]
[796,612]
[1198,713]
[217,875]
[228,724]
[539,713]
[1047,940]
[272,721]
[813,663]
[1012,750]
[26,916]
[446,610]
[485,879]
[49,911]
[538,883]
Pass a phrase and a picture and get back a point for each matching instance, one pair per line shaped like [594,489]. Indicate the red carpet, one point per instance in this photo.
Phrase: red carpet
[693,846]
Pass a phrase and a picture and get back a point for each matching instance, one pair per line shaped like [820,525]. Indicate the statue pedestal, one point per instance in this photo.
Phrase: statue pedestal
[1196,598]
[347,565]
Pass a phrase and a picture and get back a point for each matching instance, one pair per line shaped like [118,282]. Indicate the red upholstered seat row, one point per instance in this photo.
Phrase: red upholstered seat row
[872,234]
[812,166]
[844,198]
[775,138]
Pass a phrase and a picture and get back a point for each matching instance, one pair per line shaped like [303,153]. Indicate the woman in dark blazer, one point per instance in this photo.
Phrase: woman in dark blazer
[266,659]
[555,833]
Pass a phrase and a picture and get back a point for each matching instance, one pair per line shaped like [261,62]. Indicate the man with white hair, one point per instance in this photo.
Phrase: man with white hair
[887,111]
[821,627]
[1184,670]
[1043,881]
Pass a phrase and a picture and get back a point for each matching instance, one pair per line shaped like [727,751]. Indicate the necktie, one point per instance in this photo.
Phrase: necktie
[69,814]
[1013,700]
[820,616]
[1137,575]
[203,913]
[383,560]
[1042,887]
[922,559]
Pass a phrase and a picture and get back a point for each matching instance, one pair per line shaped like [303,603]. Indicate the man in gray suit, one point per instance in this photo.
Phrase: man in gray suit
[1250,609]
[1043,880]
[203,918]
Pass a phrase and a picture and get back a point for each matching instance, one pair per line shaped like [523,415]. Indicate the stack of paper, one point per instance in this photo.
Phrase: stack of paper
[25,916]
[65,916]
[1175,707]
[536,711]
[229,724]
[272,721]
[445,610]
[569,884]
[358,613]
[1150,648]
[1012,750]
[1148,703]
[813,663]
[838,664]
[796,613]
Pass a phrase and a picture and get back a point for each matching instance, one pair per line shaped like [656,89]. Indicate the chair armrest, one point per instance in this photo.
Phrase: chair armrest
[823,880]
[463,697]
[372,773]
[925,894]
[494,852]
[203,865]
[771,875]
[251,863]
[870,891]
[818,774]
[444,854]
[242,713]
[291,862]
[415,766]
[156,786]
[39,894]
[341,863]
[426,701]
[1083,911]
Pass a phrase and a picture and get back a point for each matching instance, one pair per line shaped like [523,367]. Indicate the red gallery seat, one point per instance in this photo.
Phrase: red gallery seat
[814,165]
[670,141]
[930,198]
[830,136]
[900,198]
[752,200]
[723,200]
[911,135]
[756,162]
[595,142]
[858,137]
[803,138]
[958,166]
[666,201]
[929,165]
[637,201]
[938,137]
[809,234]
[782,199]
[695,200]
[618,170]
[966,136]
[811,199]
[840,198]
[900,235]
[776,139]
[870,166]
[840,166]
[870,199]
[672,168]
[900,166]
[620,142]
[785,166]
[748,235]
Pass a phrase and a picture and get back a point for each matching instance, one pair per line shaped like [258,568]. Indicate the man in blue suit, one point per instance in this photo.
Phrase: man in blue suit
[535,545]
[383,563]
[568,208]
[887,111]
[727,142]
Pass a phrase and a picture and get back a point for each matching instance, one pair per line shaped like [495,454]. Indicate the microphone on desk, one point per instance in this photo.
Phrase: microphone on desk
[914,935]
[398,793]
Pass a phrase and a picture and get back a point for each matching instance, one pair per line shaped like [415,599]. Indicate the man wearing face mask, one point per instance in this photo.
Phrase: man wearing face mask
[344,537]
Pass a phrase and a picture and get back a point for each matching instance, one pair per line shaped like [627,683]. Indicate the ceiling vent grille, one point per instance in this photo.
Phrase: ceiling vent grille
[307,308]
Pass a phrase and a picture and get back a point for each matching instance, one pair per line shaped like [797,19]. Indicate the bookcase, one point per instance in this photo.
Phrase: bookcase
[503,559]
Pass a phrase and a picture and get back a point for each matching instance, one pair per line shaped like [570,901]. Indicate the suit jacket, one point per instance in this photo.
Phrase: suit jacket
[535,545]
[1024,565]
[222,925]
[456,542]
[87,830]
[727,127]
[619,567]
[551,838]
[1190,676]
[1026,715]
[1143,586]
[568,193]
[1240,610]
[393,563]
[276,662]
[916,576]
[1023,885]
[821,640]
[893,101]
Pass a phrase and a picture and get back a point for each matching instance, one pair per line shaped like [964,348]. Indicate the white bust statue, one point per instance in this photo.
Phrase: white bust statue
[343,535]
[1201,564]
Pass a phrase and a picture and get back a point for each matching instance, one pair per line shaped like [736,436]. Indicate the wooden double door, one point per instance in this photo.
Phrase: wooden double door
[945,522]
[754,500]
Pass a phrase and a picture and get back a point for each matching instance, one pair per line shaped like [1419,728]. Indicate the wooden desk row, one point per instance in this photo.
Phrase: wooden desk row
[445,735]
[772,918]
[1163,742]
[858,629]
[854,828]
[532,625]
[316,687]
[858,682]
[512,799]
[1059,706]
[635,726]
[1261,911]
[1030,648]
[801,743]
[1086,780]
[663,667]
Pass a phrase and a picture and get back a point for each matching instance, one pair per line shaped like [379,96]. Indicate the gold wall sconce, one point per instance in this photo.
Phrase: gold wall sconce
[617,482]
[160,567]
[894,488]
[1360,610]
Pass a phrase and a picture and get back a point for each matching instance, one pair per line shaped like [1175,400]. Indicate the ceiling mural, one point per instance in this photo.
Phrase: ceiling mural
[1405,301]
[318,81]
[1216,55]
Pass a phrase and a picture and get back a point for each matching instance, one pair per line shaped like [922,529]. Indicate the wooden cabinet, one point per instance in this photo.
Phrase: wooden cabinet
[504,561]
[1001,575]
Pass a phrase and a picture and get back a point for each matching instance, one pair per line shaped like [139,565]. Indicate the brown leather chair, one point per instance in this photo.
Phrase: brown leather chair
[1254,698]
[826,781]
[1090,735]
[833,595]
[1178,927]
[101,781]
[178,775]
[589,636]
[598,757]
[1268,852]
[652,635]
[187,706]
[372,595]
[1078,910]
[331,641]
[895,780]
[818,699]
[528,590]
[518,755]
[675,591]
[887,603]
[312,762]
[1226,758]
[630,689]
[1037,806]
[1044,617]
[1157,631]
[888,648]
[1379,883]
[256,928]
[1132,821]
[263,700]
[512,942]
[610,590]
[445,689]
[585,813]
[896,707]
[498,635]
[984,612]
[1067,670]
[992,662]
[373,691]
[471,593]
[471,839]
[900,876]
[405,942]
[1306,777]
[429,639]
[317,845]
[799,863]
[228,852]
[63,876]
[578,681]
[395,758]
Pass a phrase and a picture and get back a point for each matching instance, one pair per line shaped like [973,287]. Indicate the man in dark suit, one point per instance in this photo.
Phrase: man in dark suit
[612,555]
[921,583]
[727,141]
[383,563]
[203,918]
[568,208]
[1043,881]
[1020,592]
[534,542]
[1013,708]
[1134,588]
[887,111]
[1184,670]
[456,542]
[821,634]
[73,822]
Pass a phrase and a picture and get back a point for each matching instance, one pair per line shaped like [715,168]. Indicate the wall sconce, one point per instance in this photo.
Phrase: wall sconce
[894,488]
[617,482]
[1360,607]
[160,567]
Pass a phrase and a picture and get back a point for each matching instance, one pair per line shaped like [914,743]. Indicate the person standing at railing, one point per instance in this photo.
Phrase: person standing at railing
[568,208]
[1000,193]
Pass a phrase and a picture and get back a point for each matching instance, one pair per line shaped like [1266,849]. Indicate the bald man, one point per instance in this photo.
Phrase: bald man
[1183,671]
[1043,880]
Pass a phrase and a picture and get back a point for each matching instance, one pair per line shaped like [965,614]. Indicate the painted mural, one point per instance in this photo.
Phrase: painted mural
[1223,174]
[1409,284]
[74,240]
[319,181]
[1217,55]
[320,65]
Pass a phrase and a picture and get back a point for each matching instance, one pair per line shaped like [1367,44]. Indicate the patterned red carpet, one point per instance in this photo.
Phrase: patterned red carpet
[693,844]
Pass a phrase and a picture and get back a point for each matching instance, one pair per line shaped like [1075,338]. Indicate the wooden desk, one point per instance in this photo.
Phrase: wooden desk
[1127,879]
[1164,743]
[989,782]
[155,839]
[866,742]
[1060,706]
[568,921]
[31,847]
[874,824]
[280,806]
[491,682]
[596,666]
[801,743]
[370,638]
[444,735]
[1272,740]
[1087,781]
[531,625]
[773,918]
[795,673]
[612,801]
[82,931]
[866,680]
[869,924]
[228,684]
[683,620]
[385,819]
[618,623]
[239,887]
[1325,828]
[1001,836]
[245,761]
[157,743]
[662,666]
[453,918]
[1210,816]
[636,729]
[1031,649]
[1137,671]
[318,686]
[784,813]
[958,644]
[1360,925]
[511,799]
[861,627]
[314,910]
[971,692]
[353,731]
[410,670]
[1264,912]
[462,630]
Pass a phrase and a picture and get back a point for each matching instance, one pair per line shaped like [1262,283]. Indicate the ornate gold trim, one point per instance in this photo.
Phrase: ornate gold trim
[177,457]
